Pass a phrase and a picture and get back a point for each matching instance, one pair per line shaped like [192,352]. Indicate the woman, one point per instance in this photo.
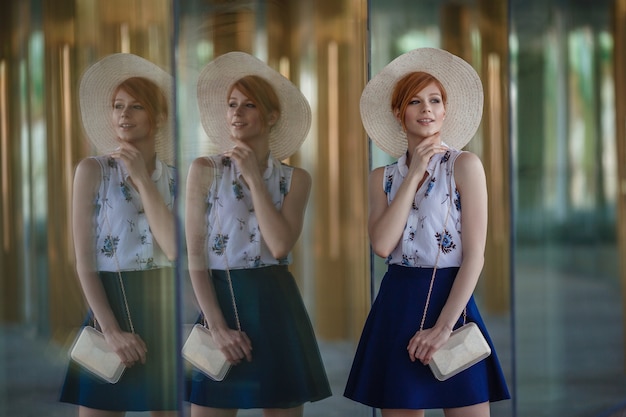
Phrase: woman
[245,211]
[427,210]
[124,230]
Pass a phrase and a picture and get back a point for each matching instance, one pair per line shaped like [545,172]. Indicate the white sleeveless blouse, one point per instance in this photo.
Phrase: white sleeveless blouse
[233,232]
[424,229]
[123,236]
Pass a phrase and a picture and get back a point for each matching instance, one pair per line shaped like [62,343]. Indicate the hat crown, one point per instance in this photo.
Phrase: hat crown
[463,108]
[216,79]
[97,86]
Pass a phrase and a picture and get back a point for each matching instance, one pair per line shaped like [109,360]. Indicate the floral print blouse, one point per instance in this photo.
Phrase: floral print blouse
[425,231]
[234,238]
[123,236]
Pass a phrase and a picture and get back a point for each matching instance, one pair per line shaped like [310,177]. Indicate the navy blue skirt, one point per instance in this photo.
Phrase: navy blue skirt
[143,387]
[286,368]
[382,374]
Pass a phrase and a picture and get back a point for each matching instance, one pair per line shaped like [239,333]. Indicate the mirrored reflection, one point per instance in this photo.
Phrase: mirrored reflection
[43,140]
[330,259]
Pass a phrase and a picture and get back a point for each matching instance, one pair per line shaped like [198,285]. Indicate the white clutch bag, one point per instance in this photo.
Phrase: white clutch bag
[465,347]
[200,350]
[91,351]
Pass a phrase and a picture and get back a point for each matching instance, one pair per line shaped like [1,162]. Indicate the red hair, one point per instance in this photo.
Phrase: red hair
[261,93]
[148,94]
[408,86]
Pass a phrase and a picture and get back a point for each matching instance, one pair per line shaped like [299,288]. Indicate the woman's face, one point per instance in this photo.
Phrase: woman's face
[244,118]
[425,113]
[130,118]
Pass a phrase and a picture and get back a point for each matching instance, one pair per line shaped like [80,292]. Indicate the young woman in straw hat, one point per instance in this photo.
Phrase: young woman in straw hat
[244,213]
[124,231]
[428,211]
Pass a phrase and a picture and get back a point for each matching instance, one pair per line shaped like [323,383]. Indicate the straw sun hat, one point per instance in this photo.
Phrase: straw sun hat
[463,110]
[219,75]
[97,86]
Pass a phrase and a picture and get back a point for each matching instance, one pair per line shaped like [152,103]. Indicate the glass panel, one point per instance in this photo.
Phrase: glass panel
[42,140]
[318,46]
[477,31]
[570,352]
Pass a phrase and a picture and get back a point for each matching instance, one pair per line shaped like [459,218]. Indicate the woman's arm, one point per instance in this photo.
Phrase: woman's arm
[280,228]
[86,182]
[387,221]
[160,218]
[471,183]
[233,343]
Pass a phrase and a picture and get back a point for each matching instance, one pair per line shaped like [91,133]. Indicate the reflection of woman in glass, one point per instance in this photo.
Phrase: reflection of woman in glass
[427,210]
[122,221]
[245,211]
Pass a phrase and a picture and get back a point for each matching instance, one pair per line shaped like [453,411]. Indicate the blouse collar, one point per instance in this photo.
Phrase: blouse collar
[403,168]
[267,174]
[156,174]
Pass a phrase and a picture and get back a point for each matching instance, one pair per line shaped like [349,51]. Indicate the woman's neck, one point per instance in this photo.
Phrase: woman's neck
[261,152]
[148,153]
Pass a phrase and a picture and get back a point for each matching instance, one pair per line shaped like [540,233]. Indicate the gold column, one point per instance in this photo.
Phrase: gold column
[493,144]
[11,37]
[233,31]
[619,57]
[494,32]
[341,242]
[63,150]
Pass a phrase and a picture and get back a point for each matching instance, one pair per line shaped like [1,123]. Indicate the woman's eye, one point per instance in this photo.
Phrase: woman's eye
[138,107]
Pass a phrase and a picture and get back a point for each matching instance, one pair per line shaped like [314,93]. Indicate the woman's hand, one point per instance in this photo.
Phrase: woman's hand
[235,344]
[128,346]
[133,161]
[425,343]
[423,152]
[246,161]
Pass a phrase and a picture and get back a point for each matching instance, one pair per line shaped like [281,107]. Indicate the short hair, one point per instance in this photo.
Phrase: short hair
[149,94]
[260,92]
[408,86]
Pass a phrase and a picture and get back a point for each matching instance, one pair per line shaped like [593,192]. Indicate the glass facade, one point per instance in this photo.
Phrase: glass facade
[552,141]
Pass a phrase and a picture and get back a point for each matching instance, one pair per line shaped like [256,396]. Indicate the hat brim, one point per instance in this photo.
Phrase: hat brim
[217,77]
[463,110]
[96,90]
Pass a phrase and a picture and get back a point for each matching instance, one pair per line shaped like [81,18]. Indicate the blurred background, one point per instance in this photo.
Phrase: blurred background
[552,140]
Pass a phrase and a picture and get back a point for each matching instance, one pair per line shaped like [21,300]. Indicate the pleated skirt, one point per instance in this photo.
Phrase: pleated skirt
[286,368]
[143,387]
[382,374]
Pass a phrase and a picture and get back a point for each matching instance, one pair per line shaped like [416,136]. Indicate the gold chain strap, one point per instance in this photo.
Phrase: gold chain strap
[439,250]
[119,276]
[230,281]
[432,278]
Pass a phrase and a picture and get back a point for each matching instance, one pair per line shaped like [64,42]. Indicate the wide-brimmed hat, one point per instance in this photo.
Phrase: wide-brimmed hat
[464,107]
[96,90]
[216,79]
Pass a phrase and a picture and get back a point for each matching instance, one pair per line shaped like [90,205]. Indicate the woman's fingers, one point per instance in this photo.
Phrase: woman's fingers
[238,347]
[130,348]
[420,347]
